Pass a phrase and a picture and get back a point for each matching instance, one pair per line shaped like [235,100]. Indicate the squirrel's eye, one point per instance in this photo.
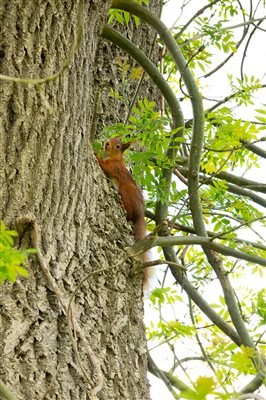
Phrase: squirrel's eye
[118,146]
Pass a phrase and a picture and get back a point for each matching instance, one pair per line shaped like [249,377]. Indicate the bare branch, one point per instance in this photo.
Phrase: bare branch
[226,28]
[147,243]
[247,44]
[156,371]
[205,355]
[199,12]
[236,189]
[238,44]
[255,383]
[221,235]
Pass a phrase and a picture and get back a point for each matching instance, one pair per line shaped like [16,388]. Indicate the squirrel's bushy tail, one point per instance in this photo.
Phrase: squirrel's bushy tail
[139,232]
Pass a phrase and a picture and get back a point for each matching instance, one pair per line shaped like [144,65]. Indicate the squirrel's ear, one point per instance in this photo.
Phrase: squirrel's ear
[125,146]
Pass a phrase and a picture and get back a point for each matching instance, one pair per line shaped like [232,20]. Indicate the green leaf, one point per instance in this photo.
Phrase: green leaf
[22,271]
[127,17]
[205,385]
[119,17]
[11,260]
[260,308]
[137,20]
[242,360]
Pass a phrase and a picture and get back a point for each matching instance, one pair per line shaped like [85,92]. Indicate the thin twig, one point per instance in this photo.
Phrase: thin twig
[226,28]
[162,262]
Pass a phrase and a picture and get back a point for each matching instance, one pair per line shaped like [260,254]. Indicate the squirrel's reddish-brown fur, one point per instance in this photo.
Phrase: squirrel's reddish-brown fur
[132,199]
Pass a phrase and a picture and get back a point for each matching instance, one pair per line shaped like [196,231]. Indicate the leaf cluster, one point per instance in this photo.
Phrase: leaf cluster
[124,17]
[12,261]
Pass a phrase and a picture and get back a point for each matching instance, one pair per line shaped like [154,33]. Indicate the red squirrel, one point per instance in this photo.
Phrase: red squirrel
[132,199]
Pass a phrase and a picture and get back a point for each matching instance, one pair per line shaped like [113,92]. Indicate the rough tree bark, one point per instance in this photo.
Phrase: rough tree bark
[48,170]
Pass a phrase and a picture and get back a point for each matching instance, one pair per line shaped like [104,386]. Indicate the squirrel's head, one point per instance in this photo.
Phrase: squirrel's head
[115,146]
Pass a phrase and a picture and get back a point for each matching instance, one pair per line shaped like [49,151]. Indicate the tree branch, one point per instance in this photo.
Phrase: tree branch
[239,181]
[221,235]
[148,242]
[255,383]
[156,371]
[193,293]
[242,182]
[255,149]
[238,44]
[247,44]
[226,28]
[198,13]
[205,355]
[208,180]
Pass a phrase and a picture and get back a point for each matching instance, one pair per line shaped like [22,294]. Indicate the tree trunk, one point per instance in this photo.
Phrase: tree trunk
[49,173]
